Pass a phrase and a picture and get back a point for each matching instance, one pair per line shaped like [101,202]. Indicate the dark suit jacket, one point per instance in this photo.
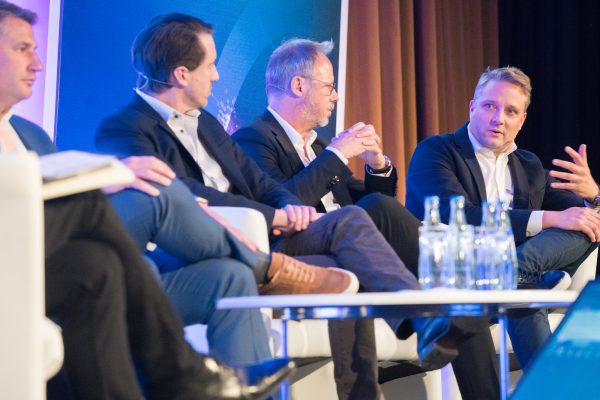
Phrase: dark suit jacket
[267,143]
[33,137]
[137,129]
[446,165]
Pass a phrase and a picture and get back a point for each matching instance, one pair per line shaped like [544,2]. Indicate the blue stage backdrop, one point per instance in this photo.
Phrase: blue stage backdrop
[96,76]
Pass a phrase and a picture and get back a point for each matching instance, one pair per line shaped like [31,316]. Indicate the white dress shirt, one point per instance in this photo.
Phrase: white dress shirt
[185,128]
[306,153]
[9,137]
[498,181]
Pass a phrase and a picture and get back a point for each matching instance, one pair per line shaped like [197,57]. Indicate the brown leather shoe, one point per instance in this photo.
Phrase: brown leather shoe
[289,276]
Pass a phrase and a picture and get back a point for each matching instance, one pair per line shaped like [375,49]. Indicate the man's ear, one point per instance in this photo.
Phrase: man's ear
[523,120]
[471,106]
[298,86]
[179,77]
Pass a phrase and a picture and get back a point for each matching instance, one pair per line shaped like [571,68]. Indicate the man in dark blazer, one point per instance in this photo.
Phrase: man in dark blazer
[284,144]
[175,56]
[301,95]
[98,289]
[553,228]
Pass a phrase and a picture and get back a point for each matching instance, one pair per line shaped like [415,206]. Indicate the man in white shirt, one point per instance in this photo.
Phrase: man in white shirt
[554,229]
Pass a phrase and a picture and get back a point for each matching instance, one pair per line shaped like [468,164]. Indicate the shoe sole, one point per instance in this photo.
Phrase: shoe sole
[354,284]
[564,283]
[274,381]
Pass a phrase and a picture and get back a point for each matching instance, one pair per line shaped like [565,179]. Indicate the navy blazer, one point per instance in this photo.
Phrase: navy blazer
[137,129]
[267,143]
[33,137]
[446,165]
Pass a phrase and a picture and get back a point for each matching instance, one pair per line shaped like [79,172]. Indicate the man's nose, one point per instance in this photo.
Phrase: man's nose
[36,64]
[497,117]
[335,96]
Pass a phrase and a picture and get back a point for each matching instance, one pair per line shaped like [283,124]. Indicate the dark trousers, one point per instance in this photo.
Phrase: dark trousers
[354,243]
[475,368]
[110,308]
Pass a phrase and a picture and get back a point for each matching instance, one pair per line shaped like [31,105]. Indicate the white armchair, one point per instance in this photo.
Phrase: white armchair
[310,338]
[30,344]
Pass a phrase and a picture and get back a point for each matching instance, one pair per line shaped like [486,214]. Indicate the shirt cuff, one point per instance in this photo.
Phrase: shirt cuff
[337,153]
[383,174]
[534,225]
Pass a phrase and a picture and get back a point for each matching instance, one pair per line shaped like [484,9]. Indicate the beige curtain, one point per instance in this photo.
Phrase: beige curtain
[412,67]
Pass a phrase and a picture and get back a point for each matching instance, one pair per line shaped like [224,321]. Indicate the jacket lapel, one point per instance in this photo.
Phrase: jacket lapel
[291,156]
[23,133]
[519,181]
[465,149]
[158,124]
[219,147]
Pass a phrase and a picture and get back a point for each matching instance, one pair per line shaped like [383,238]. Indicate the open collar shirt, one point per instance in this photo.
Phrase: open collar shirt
[185,128]
[303,147]
[8,133]
[498,181]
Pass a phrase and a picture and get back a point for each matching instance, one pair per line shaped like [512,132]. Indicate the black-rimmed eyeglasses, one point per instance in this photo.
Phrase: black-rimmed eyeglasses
[330,86]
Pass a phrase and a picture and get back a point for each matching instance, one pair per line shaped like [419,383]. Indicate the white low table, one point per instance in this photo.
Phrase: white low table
[409,304]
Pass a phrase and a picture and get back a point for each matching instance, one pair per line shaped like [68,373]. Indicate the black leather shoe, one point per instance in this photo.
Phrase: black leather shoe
[436,343]
[253,382]
[260,380]
[551,280]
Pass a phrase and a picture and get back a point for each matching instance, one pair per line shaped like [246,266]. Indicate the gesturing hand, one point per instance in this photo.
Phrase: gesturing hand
[579,179]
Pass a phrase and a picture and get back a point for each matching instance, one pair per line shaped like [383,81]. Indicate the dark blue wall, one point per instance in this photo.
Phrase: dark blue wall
[95,73]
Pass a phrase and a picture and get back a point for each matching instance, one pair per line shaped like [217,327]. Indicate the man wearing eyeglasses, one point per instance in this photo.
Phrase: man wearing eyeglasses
[301,95]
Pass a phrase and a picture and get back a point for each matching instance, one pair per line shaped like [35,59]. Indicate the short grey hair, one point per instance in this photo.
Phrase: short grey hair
[294,57]
[507,74]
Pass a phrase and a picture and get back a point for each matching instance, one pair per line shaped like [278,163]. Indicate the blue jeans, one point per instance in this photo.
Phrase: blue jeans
[200,262]
[551,249]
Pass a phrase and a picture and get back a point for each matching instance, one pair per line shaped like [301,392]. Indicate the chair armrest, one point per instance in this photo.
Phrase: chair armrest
[585,273]
[22,307]
[248,221]
[54,350]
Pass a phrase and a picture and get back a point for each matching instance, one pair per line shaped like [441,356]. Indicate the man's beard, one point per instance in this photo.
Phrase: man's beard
[311,113]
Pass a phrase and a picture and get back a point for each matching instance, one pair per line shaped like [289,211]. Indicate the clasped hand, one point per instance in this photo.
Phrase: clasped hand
[361,140]
[293,218]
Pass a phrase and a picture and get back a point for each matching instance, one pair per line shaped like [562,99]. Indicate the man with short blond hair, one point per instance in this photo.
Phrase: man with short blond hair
[553,228]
